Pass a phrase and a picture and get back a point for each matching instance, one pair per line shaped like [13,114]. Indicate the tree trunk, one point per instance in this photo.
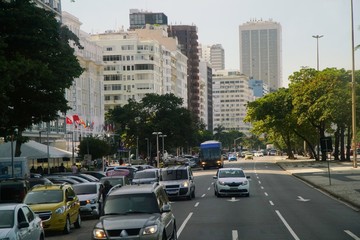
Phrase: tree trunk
[348,145]
[342,143]
[337,141]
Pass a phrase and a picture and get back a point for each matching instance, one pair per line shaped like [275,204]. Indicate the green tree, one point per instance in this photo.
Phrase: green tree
[272,114]
[97,148]
[319,99]
[37,65]
[136,121]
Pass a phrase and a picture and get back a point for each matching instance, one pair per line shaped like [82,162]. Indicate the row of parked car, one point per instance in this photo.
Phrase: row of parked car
[56,202]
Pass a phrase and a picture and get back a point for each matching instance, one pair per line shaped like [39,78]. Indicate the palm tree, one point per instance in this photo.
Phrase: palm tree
[219,131]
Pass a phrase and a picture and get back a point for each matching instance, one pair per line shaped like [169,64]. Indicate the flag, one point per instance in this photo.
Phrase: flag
[76,118]
[68,121]
[81,122]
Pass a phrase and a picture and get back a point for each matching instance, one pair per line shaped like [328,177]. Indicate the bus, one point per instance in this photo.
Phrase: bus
[210,154]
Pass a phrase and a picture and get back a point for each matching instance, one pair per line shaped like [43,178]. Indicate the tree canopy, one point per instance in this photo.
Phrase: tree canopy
[37,64]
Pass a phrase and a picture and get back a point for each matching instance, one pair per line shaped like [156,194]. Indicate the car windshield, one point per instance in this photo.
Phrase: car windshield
[113,181]
[81,189]
[131,203]
[47,196]
[167,175]
[141,174]
[7,218]
[231,173]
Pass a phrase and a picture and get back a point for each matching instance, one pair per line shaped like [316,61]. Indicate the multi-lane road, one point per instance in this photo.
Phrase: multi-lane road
[279,207]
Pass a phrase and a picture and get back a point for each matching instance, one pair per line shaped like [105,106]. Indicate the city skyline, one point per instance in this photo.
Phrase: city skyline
[219,24]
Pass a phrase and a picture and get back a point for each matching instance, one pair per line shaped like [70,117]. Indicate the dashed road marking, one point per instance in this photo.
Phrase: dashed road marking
[352,235]
[235,235]
[197,204]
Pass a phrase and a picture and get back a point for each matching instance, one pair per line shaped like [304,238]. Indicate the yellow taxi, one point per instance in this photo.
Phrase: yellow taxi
[57,205]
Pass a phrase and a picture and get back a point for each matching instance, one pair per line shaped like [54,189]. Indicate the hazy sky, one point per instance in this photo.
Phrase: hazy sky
[218,23]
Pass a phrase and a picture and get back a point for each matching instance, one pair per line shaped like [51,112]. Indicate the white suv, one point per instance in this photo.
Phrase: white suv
[178,181]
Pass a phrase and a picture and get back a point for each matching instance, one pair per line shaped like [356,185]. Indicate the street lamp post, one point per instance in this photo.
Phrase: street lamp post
[147,147]
[317,49]
[48,147]
[317,68]
[157,147]
[235,142]
[353,89]
[72,146]
[163,149]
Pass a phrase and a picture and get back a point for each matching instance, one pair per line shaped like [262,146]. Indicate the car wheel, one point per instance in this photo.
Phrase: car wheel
[67,227]
[77,224]
[215,192]
[193,194]
[41,237]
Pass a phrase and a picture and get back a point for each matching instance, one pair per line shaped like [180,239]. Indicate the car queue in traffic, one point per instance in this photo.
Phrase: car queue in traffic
[55,203]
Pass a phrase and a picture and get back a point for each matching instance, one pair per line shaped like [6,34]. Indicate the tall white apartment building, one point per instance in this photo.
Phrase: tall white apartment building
[213,54]
[136,63]
[231,93]
[86,96]
[260,51]
[206,105]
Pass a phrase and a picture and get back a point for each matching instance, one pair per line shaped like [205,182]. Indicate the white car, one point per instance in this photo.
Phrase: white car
[259,154]
[231,181]
[90,198]
[18,221]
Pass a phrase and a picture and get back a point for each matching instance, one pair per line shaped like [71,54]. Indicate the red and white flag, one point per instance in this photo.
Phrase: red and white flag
[68,121]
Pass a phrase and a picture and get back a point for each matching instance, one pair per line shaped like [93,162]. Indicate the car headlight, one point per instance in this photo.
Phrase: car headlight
[221,182]
[60,210]
[185,184]
[91,201]
[245,182]
[150,230]
[99,233]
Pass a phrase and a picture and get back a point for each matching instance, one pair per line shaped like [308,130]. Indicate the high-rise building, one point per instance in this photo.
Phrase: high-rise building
[86,96]
[139,19]
[231,93]
[215,55]
[206,104]
[188,40]
[260,51]
[138,62]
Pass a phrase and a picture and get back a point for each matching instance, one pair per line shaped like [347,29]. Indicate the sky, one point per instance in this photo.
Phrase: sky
[218,22]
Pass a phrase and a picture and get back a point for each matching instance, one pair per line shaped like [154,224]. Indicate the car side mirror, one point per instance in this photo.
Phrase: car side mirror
[70,198]
[23,224]
[214,177]
[248,177]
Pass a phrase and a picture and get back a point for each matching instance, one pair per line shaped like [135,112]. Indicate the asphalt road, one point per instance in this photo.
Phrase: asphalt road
[280,206]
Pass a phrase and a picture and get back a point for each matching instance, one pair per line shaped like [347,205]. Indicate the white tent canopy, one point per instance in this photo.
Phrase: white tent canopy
[34,150]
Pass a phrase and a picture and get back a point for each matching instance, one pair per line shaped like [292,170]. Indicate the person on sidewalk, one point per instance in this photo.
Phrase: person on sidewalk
[74,168]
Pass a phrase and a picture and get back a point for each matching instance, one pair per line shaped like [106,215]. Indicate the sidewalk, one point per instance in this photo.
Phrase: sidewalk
[342,181]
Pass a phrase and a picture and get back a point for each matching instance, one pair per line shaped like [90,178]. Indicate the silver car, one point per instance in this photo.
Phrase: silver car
[18,221]
[147,176]
[136,212]
[231,181]
[178,182]
[90,198]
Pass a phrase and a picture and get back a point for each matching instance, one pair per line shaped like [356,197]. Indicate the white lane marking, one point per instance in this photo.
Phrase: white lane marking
[197,204]
[352,235]
[183,224]
[259,182]
[203,195]
[262,187]
[271,203]
[266,194]
[235,235]
[301,199]
[209,189]
[287,225]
